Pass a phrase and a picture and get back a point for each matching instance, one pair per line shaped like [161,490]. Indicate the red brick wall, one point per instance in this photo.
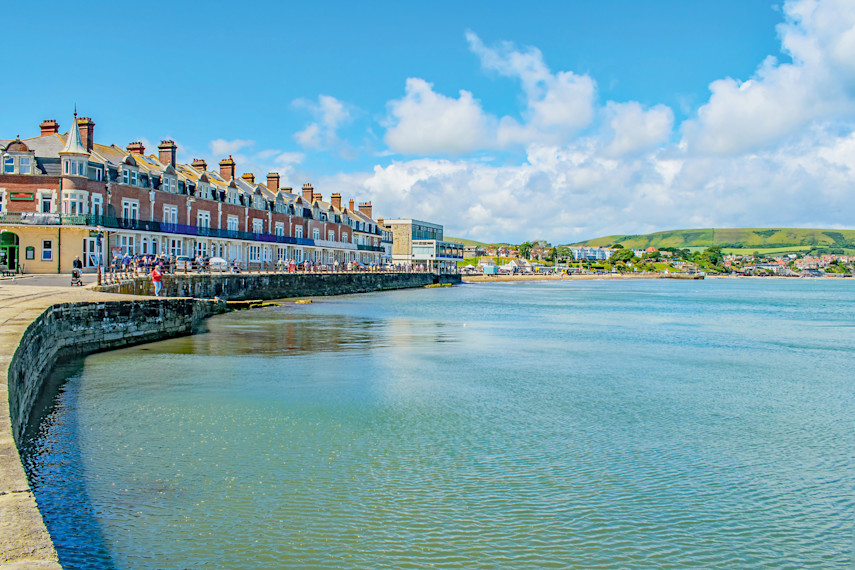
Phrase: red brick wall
[26,183]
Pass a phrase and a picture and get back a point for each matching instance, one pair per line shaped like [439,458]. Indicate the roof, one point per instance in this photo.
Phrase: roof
[74,145]
[17,146]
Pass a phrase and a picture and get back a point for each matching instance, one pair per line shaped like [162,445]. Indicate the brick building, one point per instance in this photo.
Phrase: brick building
[59,192]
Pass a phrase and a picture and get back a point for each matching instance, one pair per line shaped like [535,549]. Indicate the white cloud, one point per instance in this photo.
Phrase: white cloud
[330,114]
[259,162]
[633,129]
[427,122]
[223,148]
[775,150]
[783,98]
[557,104]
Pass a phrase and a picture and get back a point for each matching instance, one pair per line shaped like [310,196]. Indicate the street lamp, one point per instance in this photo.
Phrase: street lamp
[98,242]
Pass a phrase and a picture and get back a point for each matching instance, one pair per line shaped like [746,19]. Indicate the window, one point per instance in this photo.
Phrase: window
[257,226]
[45,201]
[203,219]
[344,237]
[331,235]
[99,174]
[74,203]
[24,165]
[298,232]
[170,214]
[8,165]
[232,222]
[134,179]
[2,200]
[131,209]
[128,244]
[279,229]
[126,176]
[97,204]
[316,233]
[47,250]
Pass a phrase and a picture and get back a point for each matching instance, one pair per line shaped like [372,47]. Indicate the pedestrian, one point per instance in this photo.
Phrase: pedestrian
[157,279]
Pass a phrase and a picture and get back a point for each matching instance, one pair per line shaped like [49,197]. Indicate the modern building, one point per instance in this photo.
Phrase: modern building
[64,195]
[419,243]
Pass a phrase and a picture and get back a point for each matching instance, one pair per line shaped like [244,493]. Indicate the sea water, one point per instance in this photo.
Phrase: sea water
[637,423]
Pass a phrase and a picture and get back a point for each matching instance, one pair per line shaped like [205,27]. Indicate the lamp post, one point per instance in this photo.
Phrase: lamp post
[98,242]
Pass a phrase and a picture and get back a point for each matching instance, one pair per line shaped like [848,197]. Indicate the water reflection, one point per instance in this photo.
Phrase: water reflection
[55,465]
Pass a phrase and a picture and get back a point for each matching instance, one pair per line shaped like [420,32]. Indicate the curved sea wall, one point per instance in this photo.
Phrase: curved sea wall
[61,332]
[72,330]
[243,286]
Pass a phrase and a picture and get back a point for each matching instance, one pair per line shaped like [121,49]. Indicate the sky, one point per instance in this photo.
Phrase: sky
[501,120]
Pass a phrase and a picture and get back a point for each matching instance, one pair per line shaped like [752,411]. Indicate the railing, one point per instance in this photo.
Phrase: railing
[361,247]
[113,223]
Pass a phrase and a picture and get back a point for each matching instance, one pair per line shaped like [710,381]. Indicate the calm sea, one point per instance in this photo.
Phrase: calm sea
[642,424]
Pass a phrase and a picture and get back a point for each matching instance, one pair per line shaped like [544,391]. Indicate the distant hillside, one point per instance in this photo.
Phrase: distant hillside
[471,242]
[735,238]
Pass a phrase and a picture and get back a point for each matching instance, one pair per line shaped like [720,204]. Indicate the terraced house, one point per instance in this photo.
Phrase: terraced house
[64,195]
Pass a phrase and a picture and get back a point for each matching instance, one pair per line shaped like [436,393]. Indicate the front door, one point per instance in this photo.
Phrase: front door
[90,252]
[9,250]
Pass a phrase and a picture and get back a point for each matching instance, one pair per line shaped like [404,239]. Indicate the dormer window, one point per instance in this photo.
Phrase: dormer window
[126,177]
[9,165]
[74,167]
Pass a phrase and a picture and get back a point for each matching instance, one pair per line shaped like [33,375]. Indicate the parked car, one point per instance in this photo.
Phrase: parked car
[183,263]
[218,264]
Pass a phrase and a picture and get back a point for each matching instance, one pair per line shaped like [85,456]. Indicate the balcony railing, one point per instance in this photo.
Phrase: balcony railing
[113,223]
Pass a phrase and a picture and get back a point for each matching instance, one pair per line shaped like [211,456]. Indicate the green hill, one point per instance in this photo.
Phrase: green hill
[734,238]
[471,242]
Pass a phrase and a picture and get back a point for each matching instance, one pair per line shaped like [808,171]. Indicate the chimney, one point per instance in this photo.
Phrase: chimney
[351,205]
[49,127]
[316,197]
[199,164]
[307,192]
[166,152]
[365,208]
[273,182]
[87,132]
[249,177]
[335,200]
[227,168]
[136,148]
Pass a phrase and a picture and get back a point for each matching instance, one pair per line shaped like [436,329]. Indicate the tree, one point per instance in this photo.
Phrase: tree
[622,255]
[524,249]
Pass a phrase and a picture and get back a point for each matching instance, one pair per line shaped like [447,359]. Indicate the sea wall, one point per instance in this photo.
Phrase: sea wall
[242,286]
[72,330]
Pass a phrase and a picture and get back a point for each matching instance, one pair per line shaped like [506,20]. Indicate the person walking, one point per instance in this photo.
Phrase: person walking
[157,279]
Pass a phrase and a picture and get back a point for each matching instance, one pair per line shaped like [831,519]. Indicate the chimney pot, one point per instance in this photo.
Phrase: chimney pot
[166,152]
[199,164]
[227,168]
[249,177]
[49,127]
[365,208]
[307,192]
[87,132]
[136,148]
[351,205]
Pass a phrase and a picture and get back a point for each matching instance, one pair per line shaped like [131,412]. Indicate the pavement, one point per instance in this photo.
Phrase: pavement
[24,539]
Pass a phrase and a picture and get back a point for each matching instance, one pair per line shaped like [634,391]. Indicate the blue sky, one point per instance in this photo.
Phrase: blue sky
[502,120]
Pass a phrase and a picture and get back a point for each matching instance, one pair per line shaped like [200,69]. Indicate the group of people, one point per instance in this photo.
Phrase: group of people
[141,263]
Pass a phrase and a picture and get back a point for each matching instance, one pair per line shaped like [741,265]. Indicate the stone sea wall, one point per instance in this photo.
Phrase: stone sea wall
[244,286]
[72,330]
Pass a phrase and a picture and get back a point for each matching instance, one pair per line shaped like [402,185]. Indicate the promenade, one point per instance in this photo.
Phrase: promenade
[24,540]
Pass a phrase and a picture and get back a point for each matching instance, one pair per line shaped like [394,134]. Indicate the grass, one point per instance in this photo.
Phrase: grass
[753,239]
